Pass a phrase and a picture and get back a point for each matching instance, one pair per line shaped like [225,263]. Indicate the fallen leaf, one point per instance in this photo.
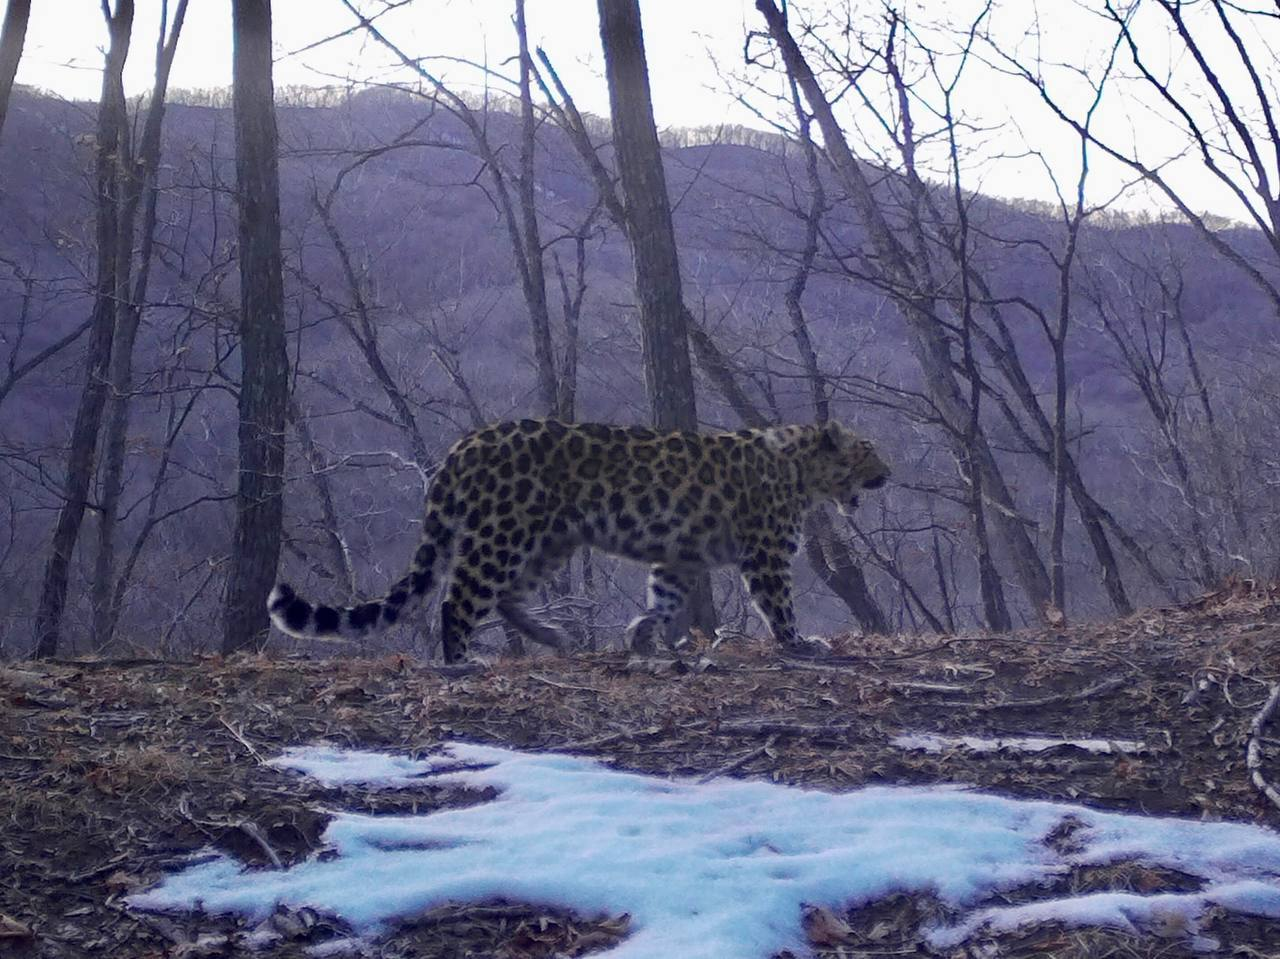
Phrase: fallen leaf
[11,930]
[825,928]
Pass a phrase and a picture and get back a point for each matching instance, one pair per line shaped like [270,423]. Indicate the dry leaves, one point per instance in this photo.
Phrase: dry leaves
[111,773]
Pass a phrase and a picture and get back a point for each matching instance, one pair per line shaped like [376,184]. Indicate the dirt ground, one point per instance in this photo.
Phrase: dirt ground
[114,772]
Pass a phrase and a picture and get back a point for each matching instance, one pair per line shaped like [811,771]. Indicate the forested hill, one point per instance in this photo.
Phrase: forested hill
[402,294]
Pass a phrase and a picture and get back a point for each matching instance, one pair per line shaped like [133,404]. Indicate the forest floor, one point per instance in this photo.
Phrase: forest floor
[114,772]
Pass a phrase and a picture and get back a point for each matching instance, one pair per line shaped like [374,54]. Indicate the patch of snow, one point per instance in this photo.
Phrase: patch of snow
[331,766]
[1171,915]
[937,743]
[722,870]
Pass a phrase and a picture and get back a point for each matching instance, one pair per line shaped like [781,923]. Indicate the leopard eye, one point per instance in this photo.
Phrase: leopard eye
[874,483]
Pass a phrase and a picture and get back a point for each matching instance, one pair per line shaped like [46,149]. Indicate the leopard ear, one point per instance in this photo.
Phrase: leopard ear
[830,441]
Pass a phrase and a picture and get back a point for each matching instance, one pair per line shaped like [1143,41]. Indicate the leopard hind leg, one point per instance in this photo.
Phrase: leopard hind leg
[668,587]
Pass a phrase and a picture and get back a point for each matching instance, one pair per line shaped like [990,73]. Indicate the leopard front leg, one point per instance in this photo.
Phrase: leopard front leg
[766,572]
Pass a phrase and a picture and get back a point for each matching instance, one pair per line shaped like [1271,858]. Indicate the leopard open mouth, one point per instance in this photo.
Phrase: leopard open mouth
[846,507]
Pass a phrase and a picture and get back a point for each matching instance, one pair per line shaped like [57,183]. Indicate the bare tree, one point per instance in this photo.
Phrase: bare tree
[828,554]
[339,552]
[1140,308]
[1221,95]
[138,181]
[1043,435]
[663,331]
[909,276]
[665,338]
[264,383]
[112,120]
[22,322]
[520,215]
[13,34]
[533,274]
[361,325]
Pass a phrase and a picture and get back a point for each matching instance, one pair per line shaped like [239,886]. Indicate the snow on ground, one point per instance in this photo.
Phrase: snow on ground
[938,742]
[332,766]
[721,870]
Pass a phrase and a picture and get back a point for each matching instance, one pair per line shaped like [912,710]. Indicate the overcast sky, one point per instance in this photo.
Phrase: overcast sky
[65,39]
[691,44]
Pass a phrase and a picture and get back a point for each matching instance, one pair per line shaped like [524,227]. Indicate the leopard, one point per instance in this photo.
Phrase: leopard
[511,502]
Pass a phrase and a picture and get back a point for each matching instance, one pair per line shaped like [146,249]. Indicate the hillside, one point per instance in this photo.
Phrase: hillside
[115,772]
[433,268]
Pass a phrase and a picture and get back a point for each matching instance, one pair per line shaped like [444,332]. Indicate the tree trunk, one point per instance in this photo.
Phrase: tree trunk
[830,556]
[668,375]
[664,336]
[12,37]
[138,180]
[571,309]
[534,274]
[255,550]
[88,421]
[800,280]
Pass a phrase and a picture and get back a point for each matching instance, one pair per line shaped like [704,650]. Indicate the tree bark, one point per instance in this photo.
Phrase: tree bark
[255,550]
[84,432]
[830,557]
[665,340]
[12,37]
[663,333]
[800,279]
[571,298]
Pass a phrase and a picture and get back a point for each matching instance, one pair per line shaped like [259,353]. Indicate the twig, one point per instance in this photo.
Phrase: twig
[559,685]
[741,761]
[254,832]
[596,743]
[780,728]
[239,737]
[457,670]
[451,912]
[1253,752]
[131,662]
[646,732]
[922,687]
[860,671]
[1106,686]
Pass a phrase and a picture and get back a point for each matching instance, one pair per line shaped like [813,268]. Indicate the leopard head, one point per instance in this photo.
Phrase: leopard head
[844,464]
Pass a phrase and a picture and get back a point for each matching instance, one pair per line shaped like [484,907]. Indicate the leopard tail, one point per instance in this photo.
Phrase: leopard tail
[296,616]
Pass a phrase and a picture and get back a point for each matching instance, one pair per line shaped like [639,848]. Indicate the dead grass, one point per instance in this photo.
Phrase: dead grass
[111,773]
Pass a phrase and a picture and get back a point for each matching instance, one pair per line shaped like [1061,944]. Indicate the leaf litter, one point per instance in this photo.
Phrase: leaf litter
[117,773]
